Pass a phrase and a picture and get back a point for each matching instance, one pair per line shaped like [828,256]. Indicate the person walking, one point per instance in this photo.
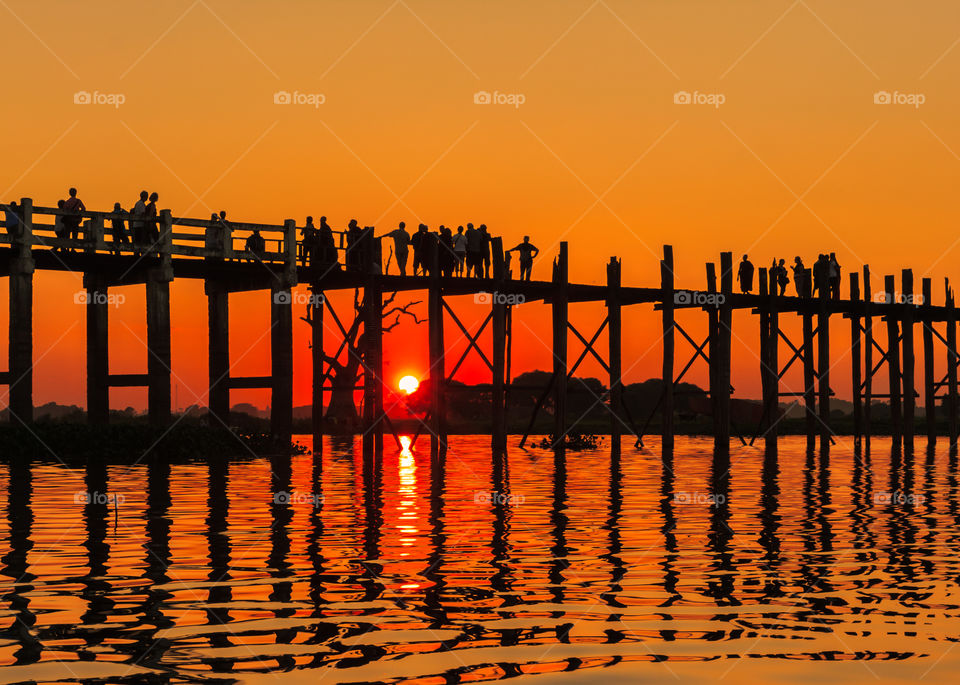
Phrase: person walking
[745,275]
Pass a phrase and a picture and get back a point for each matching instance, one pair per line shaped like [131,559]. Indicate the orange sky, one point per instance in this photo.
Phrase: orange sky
[798,158]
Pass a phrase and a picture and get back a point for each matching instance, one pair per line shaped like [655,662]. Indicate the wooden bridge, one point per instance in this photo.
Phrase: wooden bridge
[212,250]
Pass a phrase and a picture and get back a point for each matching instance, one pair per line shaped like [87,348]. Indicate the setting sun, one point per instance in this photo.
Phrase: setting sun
[409,384]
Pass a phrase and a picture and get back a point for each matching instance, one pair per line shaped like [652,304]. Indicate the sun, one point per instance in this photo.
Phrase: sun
[409,384]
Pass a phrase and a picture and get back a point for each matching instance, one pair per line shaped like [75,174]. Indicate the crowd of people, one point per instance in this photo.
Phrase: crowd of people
[823,279]
[466,253]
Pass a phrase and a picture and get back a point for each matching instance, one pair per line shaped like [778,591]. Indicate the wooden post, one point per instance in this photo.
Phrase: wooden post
[772,366]
[764,293]
[908,362]
[713,326]
[929,395]
[373,345]
[867,356]
[614,331]
[281,361]
[218,353]
[20,347]
[98,369]
[823,369]
[809,396]
[855,356]
[893,363]
[316,348]
[498,436]
[158,349]
[559,306]
[952,404]
[667,295]
[437,366]
[724,342]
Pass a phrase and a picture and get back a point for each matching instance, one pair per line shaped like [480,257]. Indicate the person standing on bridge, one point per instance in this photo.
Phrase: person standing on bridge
[327,246]
[799,276]
[485,250]
[460,249]
[256,245]
[448,258]
[137,223]
[11,219]
[821,277]
[834,268]
[74,205]
[118,223]
[745,275]
[401,243]
[152,225]
[474,252]
[353,258]
[308,239]
[782,278]
[527,252]
[419,244]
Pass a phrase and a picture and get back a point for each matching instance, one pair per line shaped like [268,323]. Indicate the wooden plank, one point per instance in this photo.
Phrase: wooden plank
[251,382]
[666,406]
[128,380]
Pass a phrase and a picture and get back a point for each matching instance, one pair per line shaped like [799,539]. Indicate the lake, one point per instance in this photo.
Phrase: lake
[537,567]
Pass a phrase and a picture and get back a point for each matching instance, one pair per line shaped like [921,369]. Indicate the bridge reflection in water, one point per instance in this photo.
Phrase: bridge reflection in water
[468,567]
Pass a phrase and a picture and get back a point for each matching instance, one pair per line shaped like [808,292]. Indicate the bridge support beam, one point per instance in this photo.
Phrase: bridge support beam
[316,349]
[856,353]
[929,393]
[218,353]
[438,372]
[867,357]
[499,330]
[158,349]
[20,350]
[952,404]
[666,406]
[560,309]
[98,364]
[281,362]
[614,333]
[372,350]
[720,359]
[893,367]
[908,361]
[823,369]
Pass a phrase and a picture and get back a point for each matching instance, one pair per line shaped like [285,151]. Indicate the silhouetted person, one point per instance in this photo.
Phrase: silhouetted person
[821,276]
[11,219]
[138,225]
[328,246]
[834,271]
[448,258]
[474,251]
[59,228]
[485,250]
[527,252]
[119,225]
[74,205]
[745,275]
[799,276]
[256,245]
[401,244]
[224,232]
[460,249]
[419,244]
[308,241]
[153,228]
[354,232]
[782,278]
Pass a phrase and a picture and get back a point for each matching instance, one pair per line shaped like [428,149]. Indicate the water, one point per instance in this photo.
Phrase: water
[538,568]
